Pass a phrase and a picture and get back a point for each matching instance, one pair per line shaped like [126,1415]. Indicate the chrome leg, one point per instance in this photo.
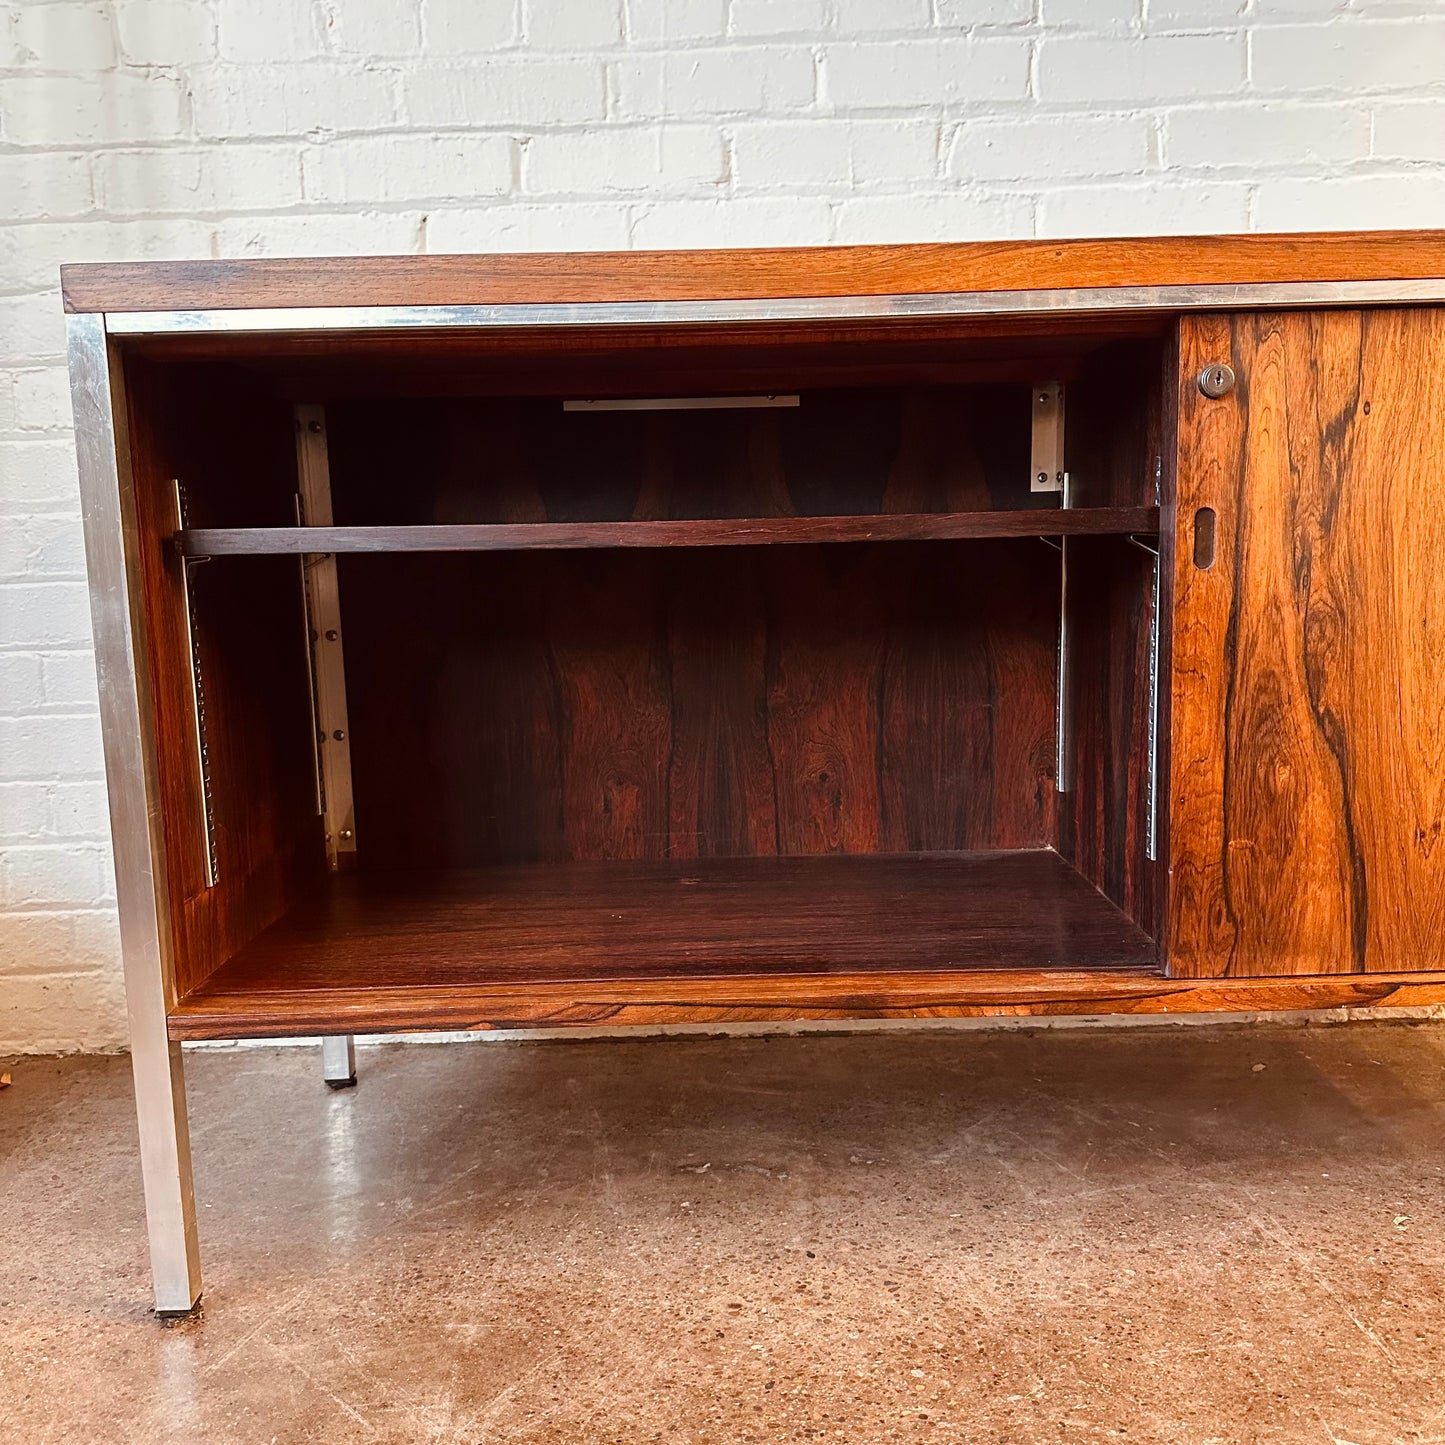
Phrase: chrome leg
[123,668]
[338,1060]
[165,1152]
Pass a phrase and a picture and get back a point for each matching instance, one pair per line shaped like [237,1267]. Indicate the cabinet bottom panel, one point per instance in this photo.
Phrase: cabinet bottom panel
[721,928]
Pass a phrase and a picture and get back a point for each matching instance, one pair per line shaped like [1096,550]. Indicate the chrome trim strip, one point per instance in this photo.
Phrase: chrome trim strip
[127,727]
[1063,703]
[1151,802]
[198,698]
[1095,299]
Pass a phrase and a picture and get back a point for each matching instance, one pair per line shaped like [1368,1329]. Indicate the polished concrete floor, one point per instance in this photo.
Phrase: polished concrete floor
[1230,1234]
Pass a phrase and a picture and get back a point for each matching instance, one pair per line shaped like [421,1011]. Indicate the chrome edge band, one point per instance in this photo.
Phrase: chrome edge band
[1083,300]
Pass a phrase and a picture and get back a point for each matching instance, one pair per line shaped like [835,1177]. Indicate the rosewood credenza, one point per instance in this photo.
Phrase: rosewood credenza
[919,631]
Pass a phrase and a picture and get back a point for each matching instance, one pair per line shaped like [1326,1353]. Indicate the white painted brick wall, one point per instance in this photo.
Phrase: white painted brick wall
[135,129]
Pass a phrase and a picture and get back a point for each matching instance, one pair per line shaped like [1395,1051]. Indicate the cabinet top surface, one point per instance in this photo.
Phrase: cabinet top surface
[580,278]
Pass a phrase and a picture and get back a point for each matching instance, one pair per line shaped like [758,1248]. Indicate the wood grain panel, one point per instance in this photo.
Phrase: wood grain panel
[585,536]
[234,450]
[661,360]
[866,452]
[1115,449]
[824,729]
[608,649]
[700,703]
[220,1012]
[1103,827]
[1308,767]
[720,783]
[695,918]
[648,705]
[763,273]
[1115,418]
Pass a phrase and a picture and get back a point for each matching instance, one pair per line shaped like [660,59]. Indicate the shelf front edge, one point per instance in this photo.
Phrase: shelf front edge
[703,532]
[779,999]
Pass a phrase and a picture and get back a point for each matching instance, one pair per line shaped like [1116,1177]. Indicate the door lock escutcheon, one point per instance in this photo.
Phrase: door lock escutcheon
[1217,379]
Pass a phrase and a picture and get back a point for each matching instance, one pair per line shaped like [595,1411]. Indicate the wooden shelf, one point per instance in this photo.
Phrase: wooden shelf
[500,944]
[703,532]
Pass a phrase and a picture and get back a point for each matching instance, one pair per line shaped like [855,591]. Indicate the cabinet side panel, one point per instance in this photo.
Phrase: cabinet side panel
[1104,817]
[1115,458]
[233,453]
[1308,768]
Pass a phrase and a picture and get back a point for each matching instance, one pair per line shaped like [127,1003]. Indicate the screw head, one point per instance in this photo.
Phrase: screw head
[1217,380]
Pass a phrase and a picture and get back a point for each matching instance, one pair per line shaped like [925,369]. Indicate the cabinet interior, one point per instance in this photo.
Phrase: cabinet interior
[826,746]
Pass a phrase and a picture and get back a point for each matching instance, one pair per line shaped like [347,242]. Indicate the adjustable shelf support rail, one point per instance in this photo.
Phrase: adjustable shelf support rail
[326,660]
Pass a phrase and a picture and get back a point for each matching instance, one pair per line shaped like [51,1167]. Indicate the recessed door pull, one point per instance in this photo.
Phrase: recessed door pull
[1204,538]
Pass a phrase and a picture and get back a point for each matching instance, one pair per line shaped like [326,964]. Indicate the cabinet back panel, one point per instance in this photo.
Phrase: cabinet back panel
[786,700]
[865,451]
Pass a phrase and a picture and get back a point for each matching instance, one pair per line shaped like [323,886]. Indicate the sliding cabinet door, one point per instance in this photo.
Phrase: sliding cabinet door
[1307,766]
